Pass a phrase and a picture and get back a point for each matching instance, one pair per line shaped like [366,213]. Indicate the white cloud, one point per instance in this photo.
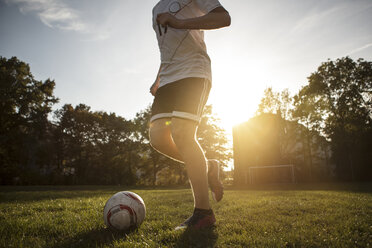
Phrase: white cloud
[334,12]
[53,13]
[360,48]
[314,20]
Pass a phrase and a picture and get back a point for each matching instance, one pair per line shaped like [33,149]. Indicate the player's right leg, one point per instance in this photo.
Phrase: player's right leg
[160,123]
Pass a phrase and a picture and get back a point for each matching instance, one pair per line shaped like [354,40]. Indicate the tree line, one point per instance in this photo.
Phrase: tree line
[332,114]
[81,146]
[75,145]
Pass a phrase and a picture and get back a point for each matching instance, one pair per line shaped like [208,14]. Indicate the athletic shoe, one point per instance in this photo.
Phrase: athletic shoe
[201,218]
[214,179]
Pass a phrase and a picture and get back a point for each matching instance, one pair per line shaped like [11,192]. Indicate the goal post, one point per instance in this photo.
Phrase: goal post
[271,174]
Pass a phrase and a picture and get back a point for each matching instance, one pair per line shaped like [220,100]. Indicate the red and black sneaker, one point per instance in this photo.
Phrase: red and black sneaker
[201,218]
[214,179]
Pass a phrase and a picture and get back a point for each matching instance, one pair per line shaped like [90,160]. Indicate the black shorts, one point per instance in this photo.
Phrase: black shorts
[184,98]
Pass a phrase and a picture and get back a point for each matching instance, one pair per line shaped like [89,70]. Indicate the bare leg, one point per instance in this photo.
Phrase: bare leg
[184,137]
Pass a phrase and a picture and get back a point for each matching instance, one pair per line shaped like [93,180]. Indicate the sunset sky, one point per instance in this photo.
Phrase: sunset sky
[105,54]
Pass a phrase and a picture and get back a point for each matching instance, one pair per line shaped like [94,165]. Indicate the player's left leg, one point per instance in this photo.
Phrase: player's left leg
[184,136]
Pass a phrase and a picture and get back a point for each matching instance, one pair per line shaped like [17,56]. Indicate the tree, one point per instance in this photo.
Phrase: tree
[304,112]
[337,102]
[280,103]
[298,135]
[25,105]
[95,147]
[212,137]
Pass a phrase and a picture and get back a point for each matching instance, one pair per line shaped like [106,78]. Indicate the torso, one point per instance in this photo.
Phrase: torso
[183,52]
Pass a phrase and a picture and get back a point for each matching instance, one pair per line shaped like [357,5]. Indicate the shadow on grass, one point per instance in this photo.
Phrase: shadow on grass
[102,236]
[198,238]
[94,238]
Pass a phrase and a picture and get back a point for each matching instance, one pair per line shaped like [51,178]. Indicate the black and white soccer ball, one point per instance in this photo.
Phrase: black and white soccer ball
[124,210]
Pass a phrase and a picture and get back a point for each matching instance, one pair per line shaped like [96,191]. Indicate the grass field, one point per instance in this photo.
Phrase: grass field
[329,216]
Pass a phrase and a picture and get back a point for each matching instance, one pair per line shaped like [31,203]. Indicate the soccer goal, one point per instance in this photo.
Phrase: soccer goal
[271,174]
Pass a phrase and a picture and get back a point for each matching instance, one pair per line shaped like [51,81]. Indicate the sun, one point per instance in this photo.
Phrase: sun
[236,92]
[232,113]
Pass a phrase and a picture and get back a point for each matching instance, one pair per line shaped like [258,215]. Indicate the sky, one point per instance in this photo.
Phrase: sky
[104,53]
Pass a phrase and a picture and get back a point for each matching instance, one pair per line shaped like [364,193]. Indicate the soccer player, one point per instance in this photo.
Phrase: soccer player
[181,90]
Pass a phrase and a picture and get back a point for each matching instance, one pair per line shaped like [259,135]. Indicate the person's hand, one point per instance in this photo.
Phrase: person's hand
[154,87]
[167,19]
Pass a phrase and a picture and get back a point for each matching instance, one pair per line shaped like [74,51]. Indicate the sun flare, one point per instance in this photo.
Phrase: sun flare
[237,91]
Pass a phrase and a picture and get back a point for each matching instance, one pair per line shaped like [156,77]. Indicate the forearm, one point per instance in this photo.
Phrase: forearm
[212,20]
[217,18]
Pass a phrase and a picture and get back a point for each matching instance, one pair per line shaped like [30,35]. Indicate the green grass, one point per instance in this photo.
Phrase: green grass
[72,217]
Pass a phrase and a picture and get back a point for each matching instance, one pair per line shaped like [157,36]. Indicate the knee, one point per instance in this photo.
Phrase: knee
[183,137]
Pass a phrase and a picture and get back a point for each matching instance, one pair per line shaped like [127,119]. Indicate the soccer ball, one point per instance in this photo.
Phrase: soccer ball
[124,210]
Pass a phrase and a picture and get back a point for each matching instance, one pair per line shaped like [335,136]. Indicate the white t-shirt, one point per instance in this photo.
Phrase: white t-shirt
[183,52]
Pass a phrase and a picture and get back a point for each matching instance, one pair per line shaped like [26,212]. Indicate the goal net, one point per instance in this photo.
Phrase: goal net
[271,174]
